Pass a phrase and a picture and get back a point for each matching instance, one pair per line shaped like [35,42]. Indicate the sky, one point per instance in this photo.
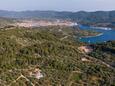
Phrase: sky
[58,5]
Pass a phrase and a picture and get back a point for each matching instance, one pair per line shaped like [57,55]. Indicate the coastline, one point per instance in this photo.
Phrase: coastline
[92,36]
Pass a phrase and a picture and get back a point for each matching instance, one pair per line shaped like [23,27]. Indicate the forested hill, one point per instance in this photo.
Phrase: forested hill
[98,16]
[49,56]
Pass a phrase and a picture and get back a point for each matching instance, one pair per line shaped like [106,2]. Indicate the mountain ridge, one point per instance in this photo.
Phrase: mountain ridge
[82,17]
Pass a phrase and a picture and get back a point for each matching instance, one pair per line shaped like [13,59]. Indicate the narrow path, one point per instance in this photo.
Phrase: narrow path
[27,80]
[109,66]
[21,76]
[15,80]
[64,38]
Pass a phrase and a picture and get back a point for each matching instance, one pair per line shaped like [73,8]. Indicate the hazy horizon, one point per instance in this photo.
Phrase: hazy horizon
[57,5]
[55,10]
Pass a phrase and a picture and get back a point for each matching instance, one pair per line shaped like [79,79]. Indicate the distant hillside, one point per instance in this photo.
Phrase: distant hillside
[5,21]
[98,16]
[35,14]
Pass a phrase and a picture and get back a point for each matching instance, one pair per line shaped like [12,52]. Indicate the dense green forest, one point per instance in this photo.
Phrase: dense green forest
[54,50]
